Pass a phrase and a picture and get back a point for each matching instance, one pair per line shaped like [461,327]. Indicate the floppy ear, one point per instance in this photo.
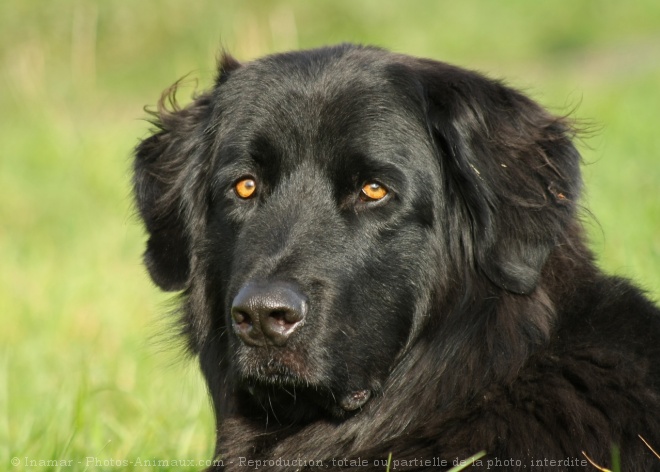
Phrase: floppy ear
[168,168]
[512,167]
[160,168]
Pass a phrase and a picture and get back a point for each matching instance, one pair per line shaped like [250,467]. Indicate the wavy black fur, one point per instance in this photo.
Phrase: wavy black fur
[466,303]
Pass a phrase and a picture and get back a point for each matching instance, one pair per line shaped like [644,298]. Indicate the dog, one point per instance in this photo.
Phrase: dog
[381,259]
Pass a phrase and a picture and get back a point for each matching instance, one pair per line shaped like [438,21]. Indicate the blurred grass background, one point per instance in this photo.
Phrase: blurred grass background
[82,370]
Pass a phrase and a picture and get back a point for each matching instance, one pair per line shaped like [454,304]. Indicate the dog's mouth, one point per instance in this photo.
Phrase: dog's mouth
[296,403]
[276,373]
[290,391]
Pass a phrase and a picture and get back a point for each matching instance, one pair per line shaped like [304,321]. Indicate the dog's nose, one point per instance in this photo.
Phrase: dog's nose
[268,312]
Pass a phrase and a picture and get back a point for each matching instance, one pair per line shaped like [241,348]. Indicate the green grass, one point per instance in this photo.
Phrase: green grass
[83,368]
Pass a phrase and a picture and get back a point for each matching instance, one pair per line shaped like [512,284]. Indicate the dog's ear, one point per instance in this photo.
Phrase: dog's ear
[167,170]
[509,164]
[160,166]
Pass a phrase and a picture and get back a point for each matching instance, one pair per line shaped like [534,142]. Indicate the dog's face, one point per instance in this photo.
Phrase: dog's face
[322,197]
[317,206]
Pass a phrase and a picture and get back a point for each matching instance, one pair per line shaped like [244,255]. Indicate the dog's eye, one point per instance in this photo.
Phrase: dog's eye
[245,188]
[372,192]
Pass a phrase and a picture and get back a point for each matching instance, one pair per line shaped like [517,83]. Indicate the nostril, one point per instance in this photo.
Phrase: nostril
[241,317]
[285,317]
[279,316]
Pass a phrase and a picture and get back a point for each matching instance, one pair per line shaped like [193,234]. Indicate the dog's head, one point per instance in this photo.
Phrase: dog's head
[318,207]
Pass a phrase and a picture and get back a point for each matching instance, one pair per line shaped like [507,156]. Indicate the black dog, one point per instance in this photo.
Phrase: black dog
[382,254]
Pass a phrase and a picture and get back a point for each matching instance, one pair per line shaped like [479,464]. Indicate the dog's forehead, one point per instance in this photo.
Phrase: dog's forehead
[328,98]
[325,71]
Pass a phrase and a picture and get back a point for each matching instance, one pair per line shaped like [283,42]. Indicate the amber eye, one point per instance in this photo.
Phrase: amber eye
[245,188]
[373,191]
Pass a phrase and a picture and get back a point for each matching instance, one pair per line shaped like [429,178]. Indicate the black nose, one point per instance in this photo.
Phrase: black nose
[268,312]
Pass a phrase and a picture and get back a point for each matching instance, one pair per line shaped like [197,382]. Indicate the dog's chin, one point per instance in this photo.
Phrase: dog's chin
[294,398]
[288,401]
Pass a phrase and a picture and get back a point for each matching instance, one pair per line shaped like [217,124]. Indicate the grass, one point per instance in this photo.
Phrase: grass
[82,371]
[460,464]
